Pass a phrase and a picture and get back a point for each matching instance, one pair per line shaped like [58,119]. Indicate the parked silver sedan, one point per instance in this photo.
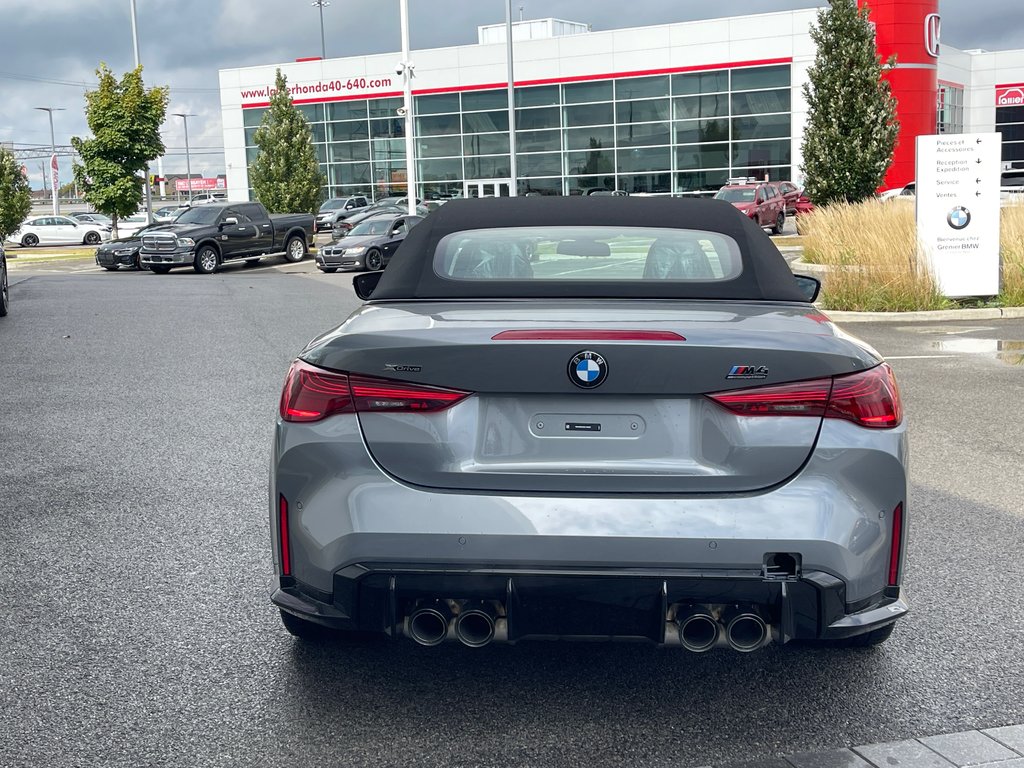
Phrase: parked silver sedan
[606,418]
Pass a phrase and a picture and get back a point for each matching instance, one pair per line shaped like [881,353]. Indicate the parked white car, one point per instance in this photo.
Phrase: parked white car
[129,225]
[58,230]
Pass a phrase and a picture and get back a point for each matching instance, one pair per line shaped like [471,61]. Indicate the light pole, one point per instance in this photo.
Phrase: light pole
[138,63]
[514,186]
[407,69]
[321,4]
[188,160]
[53,158]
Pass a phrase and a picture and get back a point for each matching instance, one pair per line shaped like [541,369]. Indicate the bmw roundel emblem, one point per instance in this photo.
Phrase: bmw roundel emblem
[959,217]
[588,369]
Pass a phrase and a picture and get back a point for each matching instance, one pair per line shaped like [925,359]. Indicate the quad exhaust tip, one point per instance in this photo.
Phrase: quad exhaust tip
[698,630]
[428,625]
[746,632]
[474,626]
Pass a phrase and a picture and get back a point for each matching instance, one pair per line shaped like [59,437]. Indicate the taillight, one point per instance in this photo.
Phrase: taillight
[895,546]
[805,398]
[282,531]
[868,398]
[312,394]
[385,395]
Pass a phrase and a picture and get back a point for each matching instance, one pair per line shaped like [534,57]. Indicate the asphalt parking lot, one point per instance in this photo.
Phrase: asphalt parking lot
[135,420]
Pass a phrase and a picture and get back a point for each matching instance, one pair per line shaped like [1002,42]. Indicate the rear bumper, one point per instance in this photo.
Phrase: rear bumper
[636,604]
[364,547]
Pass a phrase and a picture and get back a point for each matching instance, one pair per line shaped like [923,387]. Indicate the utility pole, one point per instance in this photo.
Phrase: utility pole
[188,160]
[53,158]
[138,63]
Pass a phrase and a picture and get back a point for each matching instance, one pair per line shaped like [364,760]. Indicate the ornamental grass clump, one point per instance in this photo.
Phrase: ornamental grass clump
[872,255]
[1011,242]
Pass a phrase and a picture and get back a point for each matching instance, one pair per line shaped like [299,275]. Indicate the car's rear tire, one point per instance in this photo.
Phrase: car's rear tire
[30,241]
[159,269]
[374,260]
[780,224]
[92,238]
[206,260]
[295,250]
[4,291]
[111,268]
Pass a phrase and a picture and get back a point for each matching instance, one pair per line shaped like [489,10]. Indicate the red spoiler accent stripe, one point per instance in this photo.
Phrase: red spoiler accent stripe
[569,334]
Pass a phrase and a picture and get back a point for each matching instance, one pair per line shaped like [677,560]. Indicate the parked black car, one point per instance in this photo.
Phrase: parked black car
[370,245]
[5,300]
[207,236]
[344,226]
[123,252]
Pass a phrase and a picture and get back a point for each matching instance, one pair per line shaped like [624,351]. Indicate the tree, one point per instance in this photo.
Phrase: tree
[851,117]
[285,174]
[125,120]
[15,194]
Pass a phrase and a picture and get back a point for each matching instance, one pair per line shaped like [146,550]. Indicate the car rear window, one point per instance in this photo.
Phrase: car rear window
[586,254]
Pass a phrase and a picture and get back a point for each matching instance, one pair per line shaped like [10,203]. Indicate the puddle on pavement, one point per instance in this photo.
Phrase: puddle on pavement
[1009,352]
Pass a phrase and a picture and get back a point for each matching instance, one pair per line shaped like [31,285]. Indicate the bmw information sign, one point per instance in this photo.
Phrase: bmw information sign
[958,210]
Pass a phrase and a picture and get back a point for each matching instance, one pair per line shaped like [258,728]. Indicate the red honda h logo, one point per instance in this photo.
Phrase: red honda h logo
[932,32]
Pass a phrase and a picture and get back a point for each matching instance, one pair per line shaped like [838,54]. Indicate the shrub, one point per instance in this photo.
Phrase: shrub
[871,249]
[1011,241]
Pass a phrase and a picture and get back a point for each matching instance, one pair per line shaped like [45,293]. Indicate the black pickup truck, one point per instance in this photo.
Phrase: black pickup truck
[206,236]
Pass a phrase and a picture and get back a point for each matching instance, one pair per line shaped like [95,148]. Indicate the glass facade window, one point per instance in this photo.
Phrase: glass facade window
[950,109]
[641,87]
[589,114]
[437,104]
[439,146]
[645,134]
[587,163]
[696,107]
[761,102]
[486,144]
[484,122]
[693,131]
[647,159]
[685,133]
[589,138]
[702,156]
[538,141]
[697,83]
[1010,123]
[478,101]
[646,111]
[537,96]
[546,164]
[579,93]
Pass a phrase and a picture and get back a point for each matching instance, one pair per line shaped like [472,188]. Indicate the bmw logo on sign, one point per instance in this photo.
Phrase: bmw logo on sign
[588,369]
[959,217]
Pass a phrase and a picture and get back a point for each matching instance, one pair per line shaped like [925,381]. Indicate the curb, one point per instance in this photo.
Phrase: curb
[841,316]
[987,313]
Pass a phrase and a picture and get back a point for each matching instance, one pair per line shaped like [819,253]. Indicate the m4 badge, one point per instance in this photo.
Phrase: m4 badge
[748,372]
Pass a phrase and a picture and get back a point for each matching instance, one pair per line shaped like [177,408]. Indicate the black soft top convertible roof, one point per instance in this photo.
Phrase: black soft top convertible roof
[410,274]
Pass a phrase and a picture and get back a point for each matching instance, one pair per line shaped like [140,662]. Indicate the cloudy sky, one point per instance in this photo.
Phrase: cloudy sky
[50,49]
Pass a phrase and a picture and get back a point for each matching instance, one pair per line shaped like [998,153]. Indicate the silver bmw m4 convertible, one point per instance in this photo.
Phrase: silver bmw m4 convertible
[608,417]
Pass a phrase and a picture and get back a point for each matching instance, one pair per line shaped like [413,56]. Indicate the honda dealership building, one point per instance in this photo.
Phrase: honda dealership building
[670,109]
